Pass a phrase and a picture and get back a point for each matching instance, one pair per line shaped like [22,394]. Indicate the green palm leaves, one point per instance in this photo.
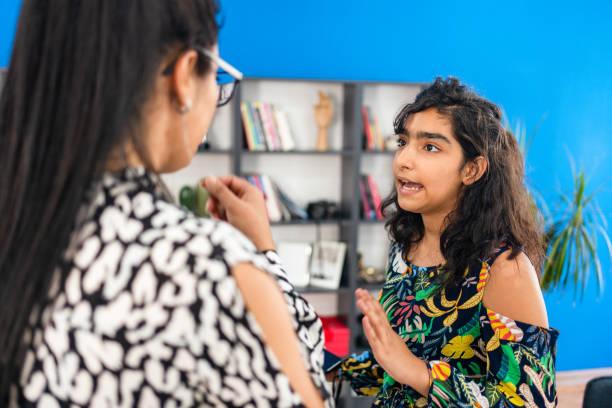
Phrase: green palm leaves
[571,231]
[572,239]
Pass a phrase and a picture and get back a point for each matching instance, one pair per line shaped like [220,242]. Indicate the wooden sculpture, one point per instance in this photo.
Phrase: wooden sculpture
[323,112]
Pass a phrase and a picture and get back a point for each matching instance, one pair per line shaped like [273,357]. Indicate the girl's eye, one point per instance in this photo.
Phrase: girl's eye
[400,142]
[431,148]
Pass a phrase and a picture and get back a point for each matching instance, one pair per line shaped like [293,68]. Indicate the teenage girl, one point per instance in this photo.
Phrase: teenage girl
[460,320]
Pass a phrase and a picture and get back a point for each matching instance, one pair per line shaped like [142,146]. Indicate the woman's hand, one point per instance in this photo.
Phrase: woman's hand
[238,202]
[388,347]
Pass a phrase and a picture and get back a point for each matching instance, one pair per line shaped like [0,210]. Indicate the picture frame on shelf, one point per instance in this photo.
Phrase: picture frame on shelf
[327,264]
[296,258]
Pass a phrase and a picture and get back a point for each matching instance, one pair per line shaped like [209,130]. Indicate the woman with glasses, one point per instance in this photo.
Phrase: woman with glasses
[111,295]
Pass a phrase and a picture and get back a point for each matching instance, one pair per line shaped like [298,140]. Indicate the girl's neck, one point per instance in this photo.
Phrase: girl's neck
[427,251]
[433,227]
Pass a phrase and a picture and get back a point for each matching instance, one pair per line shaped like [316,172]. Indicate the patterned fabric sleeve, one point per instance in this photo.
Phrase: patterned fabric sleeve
[363,373]
[520,372]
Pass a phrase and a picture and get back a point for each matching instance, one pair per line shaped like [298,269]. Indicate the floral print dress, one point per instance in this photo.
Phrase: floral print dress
[476,357]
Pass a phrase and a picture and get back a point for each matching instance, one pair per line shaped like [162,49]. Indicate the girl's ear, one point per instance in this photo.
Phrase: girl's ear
[474,170]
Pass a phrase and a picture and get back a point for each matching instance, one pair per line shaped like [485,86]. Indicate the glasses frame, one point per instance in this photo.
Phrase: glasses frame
[225,67]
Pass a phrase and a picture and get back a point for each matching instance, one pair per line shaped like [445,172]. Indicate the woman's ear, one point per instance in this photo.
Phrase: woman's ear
[474,170]
[182,79]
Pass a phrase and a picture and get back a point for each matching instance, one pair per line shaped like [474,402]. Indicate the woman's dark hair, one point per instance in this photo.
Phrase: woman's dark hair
[79,76]
[495,209]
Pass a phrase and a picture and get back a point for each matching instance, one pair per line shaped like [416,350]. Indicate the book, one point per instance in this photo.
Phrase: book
[247,124]
[285,213]
[368,194]
[284,129]
[295,210]
[260,139]
[380,141]
[364,199]
[372,127]
[375,197]
[271,127]
[369,140]
[274,211]
[266,125]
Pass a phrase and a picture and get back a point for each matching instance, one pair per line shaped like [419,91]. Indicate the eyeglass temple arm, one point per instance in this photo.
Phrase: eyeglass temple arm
[222,64]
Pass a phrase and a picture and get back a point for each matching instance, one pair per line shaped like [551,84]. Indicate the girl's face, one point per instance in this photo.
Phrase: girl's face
[428,165]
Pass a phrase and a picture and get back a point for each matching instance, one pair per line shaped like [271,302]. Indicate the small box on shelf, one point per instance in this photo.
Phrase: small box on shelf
[337,335]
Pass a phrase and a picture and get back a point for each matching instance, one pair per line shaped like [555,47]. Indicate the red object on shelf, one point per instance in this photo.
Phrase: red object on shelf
[337,335]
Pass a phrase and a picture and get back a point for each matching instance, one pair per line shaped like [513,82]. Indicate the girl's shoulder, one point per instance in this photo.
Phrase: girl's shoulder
[513,289]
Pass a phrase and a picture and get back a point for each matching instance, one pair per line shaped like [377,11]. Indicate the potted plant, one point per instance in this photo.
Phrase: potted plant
[571,230]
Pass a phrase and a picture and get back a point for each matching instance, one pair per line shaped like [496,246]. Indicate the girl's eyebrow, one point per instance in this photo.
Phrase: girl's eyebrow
[427,135]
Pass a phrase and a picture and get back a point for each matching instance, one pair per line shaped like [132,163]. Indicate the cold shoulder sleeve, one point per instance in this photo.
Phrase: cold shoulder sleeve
[520,368]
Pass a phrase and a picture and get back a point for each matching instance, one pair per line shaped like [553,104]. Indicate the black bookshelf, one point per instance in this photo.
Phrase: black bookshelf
[351,154]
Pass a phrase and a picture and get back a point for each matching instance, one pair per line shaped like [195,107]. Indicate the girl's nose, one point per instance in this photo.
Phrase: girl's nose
[404,157]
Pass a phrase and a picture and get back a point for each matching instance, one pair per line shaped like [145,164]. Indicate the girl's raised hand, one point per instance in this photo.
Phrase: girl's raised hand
[388,347]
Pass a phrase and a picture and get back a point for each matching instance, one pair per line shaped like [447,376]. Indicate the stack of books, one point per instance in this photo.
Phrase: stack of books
[280,207]
[370,198]
[372,137]
[266,127]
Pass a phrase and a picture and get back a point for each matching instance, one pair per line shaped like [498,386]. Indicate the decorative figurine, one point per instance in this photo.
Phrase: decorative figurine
[369,274]
[323,112]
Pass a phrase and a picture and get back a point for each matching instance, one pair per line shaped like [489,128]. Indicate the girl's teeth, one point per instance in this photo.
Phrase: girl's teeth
[412,186]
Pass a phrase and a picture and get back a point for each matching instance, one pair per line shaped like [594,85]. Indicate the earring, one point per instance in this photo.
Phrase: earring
[185,108]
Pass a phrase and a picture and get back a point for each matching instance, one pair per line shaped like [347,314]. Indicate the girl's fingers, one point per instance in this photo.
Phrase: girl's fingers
[363,306]
[370,307]
[370,333]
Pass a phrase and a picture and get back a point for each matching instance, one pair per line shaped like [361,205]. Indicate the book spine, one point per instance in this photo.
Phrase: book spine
[262,120]
[247,123]
[271,126]
[260,139]
[285,212]
[375,197]
[294,209]
[379,137]
[284,129]
[375,145]
[366,129]
[364,199]
[372,214]
[274,211]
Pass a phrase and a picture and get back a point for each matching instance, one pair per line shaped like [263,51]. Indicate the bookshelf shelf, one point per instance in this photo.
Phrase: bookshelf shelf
[214,151]
[340,221]
[378,153]
[369,286]
[363,221]
[313,289]
[300,152]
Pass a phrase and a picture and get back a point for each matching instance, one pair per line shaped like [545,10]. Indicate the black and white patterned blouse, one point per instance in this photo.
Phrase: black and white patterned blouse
[144,312]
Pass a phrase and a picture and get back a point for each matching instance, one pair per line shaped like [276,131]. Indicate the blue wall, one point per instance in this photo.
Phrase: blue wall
[533,59]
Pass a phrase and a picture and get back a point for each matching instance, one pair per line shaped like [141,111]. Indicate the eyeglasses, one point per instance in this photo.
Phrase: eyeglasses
[228,77]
